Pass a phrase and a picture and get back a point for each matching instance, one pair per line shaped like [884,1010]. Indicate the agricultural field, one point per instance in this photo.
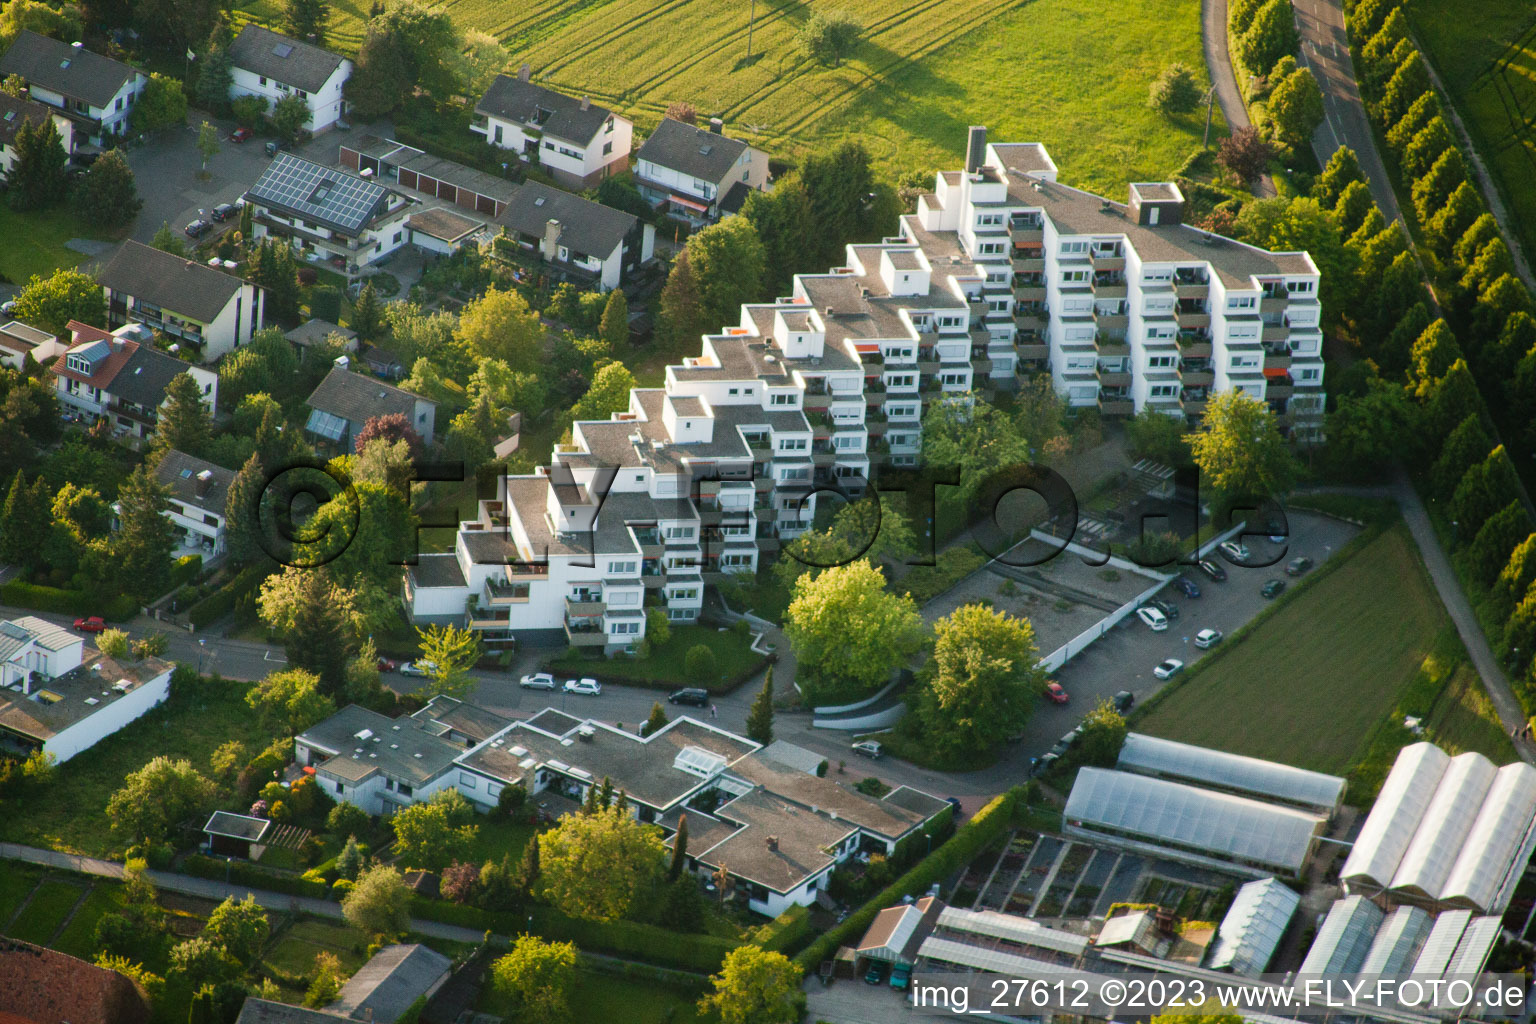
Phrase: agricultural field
[1486,55]
[1313,683]
[1071,74]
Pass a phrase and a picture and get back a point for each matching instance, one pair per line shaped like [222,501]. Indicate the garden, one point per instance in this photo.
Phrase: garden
[725,659]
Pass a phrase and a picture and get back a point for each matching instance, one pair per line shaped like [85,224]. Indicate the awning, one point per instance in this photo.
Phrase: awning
[690,204]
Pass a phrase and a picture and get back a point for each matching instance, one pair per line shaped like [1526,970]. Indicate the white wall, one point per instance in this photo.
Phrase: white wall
[325,106]
[90,730]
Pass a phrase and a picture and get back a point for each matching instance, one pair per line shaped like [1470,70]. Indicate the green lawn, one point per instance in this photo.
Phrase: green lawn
[1464,718]
[15,882]
[42,917]
[70,813]
[496,837]
[1309,685]
[295,949]
[1070,74]
[34,242]
[79,937]
[1486,55]
[665,667]
[601,997]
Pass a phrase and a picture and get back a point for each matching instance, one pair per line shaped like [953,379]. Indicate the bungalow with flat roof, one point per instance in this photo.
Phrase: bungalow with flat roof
[93,91]
[112,376]
[576,141]
[19,340]
[208,311]
[61,698]
[346,400]
[580,239]
[698,175]
[275,67]
[16,111]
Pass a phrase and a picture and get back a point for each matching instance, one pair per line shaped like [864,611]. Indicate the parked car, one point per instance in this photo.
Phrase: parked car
[1124,700]
[224,211]
[1055,694]
[876,973]
[417,668]
[1044,763]
[1298,565]
[1168,608]
[867,748]
[1065,743]
[1213,570]
[1235,551]
[386,665]
[689,695]
[537,681]
[1156,621]
[1186,586]
[1273,588]
[90,624]
[272,147]
[240,135]
[8,307]
[1276,531]
[1168,669]
[1207,638]
[901,975]
[198,228]
[587,685]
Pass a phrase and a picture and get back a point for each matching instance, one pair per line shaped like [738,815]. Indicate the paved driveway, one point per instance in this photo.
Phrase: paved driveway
[1125,657]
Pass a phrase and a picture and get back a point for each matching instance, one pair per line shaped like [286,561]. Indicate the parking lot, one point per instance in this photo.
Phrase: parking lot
[1124,658]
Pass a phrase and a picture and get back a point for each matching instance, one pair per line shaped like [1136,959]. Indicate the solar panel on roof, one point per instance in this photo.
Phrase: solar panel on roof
[319,193]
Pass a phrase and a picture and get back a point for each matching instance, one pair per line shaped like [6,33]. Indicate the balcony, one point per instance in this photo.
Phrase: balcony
[1112,346]
[1113,323]
[1030,293]
[1109,289]
[585,633]
[981,365]
[1114,378]
[1193,406]
[1274,332]
[1031,319]
[576,608]
[1116,405]
[1197,376]
[1272,303]
[814,402]
[1032,350]
[1192,289]
[1028,264]
[1277,358]
[1024,234]
[1192,319]
[1108,261]
[1279,387]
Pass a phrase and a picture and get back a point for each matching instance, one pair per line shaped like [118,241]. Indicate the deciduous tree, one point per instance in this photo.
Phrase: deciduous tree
[161,104]
[1174,90]
[830,35]
[240,926]
[1239,450]
[156,797]
[1343,168]
[1244,153]
[107,194]
[847,630]
[290,699]
[538,976]
[983,682]
[755,986]
[501,325]
[1270,36]
[448,653]
[432,835]
[595,866]
[1296,107]
[608,394]
[379,902]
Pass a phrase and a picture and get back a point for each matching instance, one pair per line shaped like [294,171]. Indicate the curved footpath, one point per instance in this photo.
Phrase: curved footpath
[1218,62]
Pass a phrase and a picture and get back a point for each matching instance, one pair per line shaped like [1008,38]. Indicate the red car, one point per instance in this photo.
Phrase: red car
[94,624]
[385,665]
[239,135]
[1056,694]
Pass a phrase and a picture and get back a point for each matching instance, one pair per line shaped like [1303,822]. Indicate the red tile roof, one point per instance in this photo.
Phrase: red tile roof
[122,351]
[41,986]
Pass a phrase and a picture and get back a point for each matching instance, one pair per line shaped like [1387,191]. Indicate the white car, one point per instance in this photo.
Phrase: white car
[1168,669]
[867,748]
[1207,638]
[1233,550]
[537,681]
[417,668]
[1155,620]
[588,686]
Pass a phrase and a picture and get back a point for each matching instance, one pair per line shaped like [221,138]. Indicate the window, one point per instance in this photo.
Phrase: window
[679,533]
[624,628]
[466,780]
[782,398]
[119,104]
[1299,287]
[549,146]
[950,320]
[498,135]
[340,789]
[607,148]
[901,380]
[1308,375]
[736,561]
[1159,362]
[1074,277]
[1164,390]
[684,594]
[396,240]
[990,248]
[1241,302]
[263,79]
[955,378]
[798,473]
[1073,248]
[846,442]
[989,220]
[1157,277]
[621,568]
[793,444]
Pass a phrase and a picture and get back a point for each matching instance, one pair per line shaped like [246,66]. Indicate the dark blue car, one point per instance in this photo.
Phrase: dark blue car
[1186,586]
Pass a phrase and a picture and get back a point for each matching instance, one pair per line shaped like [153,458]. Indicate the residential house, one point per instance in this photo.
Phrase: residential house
[43,986]
[95,92]
[328,215]
[698,174]
[346,400]
[577,142]
[275,67]
[589,242]
[198,495]
[113,376]
[19,340]
[775,827]
[62,698]
[16,111]
[315,331]
[208,311]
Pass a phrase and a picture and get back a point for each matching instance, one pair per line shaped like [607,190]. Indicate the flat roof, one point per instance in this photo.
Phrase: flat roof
[62,701]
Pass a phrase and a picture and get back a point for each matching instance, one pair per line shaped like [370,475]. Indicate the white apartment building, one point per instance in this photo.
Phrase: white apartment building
[275,66]
[578,143]
[328,215]
[1001,271]
[93,91]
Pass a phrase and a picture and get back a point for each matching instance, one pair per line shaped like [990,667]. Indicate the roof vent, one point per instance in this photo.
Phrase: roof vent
[830,312]
[586,104]
[773,842]
[524,72]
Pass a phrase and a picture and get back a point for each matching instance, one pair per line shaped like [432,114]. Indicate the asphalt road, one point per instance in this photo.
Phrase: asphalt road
[1124,659]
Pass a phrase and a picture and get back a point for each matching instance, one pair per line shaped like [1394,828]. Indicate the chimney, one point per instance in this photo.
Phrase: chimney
[586,104]
[204,482]
[773,842]
[343,362]
[975,148]
[524,72]
[716,125]
[550,246]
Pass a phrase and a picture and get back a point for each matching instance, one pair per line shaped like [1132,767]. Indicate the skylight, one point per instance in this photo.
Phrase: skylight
[282,49]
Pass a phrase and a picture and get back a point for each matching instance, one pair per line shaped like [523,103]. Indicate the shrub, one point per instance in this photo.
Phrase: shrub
[699,663]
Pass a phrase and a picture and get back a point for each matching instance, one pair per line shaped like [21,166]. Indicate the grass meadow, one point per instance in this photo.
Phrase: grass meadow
[1486,55]
[1314,683]
[1071,74]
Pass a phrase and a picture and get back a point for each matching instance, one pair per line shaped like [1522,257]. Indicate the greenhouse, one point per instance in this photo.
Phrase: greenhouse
[1251,930]
[1344,938]
[1217,769]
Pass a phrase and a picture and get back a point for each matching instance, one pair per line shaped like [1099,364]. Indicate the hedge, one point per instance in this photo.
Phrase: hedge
[222,601]
[701,954]
[789,931]
[185,570]
[67,602]
[238,873]
[988,823]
